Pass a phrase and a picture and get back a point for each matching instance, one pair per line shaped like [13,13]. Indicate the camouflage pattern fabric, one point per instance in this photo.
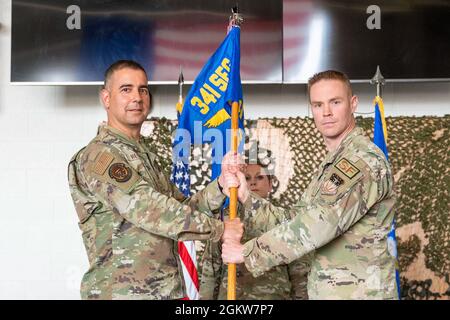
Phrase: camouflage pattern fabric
[131,216]
[419,153]
[344,217]
[280,283]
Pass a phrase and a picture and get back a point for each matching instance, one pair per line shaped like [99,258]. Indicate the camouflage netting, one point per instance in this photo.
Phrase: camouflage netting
[419,151]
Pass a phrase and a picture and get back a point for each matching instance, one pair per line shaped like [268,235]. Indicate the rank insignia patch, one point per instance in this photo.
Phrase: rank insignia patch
[347,168]
[132,156]
[120,172]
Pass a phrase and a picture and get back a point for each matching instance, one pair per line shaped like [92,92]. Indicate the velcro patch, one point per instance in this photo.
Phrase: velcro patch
[347,168]
[331,186]
[337,181]
[132,156]
[120,172]
[102,163]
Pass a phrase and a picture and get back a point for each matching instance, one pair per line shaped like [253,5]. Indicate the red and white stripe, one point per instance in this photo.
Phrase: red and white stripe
[188,257]
[191,46]
[301,33]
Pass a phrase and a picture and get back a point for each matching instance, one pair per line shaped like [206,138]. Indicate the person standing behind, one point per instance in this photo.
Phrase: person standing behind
[283,282]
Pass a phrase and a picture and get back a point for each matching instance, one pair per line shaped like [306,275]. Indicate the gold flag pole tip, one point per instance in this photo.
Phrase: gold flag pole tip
[236,18]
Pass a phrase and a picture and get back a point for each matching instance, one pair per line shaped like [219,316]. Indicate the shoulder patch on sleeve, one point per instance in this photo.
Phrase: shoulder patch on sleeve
[340,179]
[109,167]
[102,163]
[120,172]
[347,168]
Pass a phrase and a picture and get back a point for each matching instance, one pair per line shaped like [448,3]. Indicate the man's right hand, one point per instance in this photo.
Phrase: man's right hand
[232,163]
[226,181]
[232,176]
[243,191]
[233,231]
[229,180]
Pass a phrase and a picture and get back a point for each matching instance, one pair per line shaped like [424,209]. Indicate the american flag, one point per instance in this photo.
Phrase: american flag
[302,40]
[176,43]
[181,178]
[186,250]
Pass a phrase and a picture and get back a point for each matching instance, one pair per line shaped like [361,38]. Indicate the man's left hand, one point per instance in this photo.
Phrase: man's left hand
[232,252]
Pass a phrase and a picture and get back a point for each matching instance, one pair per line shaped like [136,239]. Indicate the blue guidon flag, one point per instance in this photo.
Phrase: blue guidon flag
[206,113]
[205,117]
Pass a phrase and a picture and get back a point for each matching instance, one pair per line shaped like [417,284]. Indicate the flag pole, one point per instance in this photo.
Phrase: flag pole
[180,94]
[235,20]
[378,79]
[231,295]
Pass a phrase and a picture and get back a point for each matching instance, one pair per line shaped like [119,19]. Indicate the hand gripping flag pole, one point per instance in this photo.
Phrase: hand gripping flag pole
[213,102]
[235,20]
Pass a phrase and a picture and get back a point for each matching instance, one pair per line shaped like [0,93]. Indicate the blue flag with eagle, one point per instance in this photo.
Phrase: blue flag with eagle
[206,113]
[380,139]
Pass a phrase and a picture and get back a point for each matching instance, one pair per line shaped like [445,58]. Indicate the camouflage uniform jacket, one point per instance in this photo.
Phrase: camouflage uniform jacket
[286,281]
[344,218]
[131,216]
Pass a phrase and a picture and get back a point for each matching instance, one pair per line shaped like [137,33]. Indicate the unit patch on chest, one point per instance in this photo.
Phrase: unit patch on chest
[331,186]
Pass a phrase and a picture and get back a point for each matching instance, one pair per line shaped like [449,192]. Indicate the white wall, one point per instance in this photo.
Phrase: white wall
[41,127]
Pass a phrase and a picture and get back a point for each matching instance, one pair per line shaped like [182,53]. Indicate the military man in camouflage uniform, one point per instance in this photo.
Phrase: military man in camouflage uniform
[345,214]
[130,214]
[286,281]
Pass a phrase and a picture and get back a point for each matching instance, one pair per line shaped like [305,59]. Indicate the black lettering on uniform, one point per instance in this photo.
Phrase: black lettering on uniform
[337,181]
